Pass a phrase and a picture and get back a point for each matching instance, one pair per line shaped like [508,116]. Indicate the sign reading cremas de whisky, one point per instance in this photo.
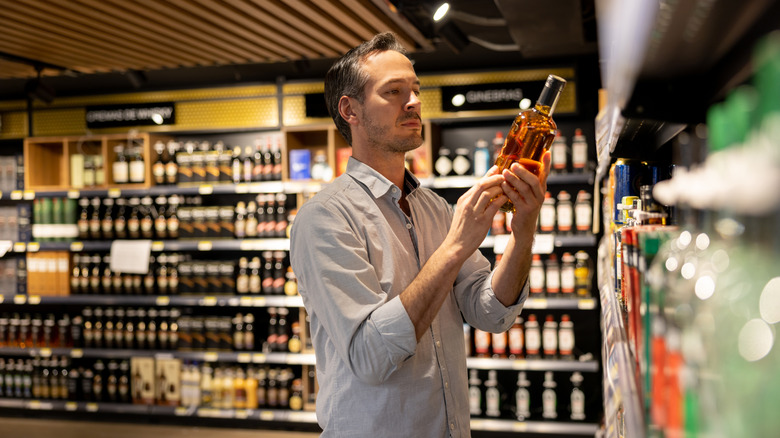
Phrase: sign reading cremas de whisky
[143,114]
[492,96]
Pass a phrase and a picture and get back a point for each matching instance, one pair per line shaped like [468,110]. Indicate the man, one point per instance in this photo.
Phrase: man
[386,268]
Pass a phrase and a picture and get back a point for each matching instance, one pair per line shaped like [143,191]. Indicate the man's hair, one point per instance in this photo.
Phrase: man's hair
[346,76]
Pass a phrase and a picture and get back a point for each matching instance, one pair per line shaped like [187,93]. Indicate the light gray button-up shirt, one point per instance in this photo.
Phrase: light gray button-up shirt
[354,251]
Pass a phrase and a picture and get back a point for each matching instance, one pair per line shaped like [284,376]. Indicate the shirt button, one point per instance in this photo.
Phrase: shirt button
[452,426]
[446,384]
[438,343]
[408,226]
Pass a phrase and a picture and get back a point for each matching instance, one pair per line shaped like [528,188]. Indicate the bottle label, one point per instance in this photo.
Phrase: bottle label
[567,279]
[137,171]
[583,216]
[558,155]
[481,162]
[523,403]
[475,400]
[536,279]
[492,402]
[579,154]
[461,165]
[481,341]
[566,340]
[553,280]
[120,171]
[550,340]
[565,218]
[549,404]
[516,340]
[547,217]
[443,166]
[533,341]
[577,404]
[499,343]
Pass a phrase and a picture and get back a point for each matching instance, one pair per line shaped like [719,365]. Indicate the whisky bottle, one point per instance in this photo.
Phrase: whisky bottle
[172,167]
[532,132]
[120,167]
[158,168]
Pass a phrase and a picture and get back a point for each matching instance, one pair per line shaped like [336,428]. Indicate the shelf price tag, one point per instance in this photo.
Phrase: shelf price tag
[45,352]
[163,301]
[520,426]
[267,415]
[586,304]
[71,406]
[205,245]
[114,193]
[244,358]
[158,246]
[29,195]
[210,357]
[74,194]
[76,353]
[34,404]
[180,411]
[34,299]
[245,302]
[20,247]
[77,246]
[206,189]
[519,364]
[242,188]
[16,195]
[209,301]
[20,299]
[258,301]
[242,414]
[92,407]
[258,358]
[33,247]
[246,245]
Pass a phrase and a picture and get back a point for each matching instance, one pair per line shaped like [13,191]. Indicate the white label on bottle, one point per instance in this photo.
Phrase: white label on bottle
[120,170]
[567,279]
[492,399]
[475,400]
[137,171]
[583,216]
[481,341]
[536,279]
[550,339]
[577,404]
[553,280]
[547,217]
[516,340]
[523,404]
[481,162]
[565,218]
[443,166]
[579,154]
[461,165]
[533,340]
[548,404]
[566,340]
[499,343]
[558,157]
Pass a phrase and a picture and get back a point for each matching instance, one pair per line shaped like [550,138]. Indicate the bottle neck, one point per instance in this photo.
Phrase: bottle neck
[548,100]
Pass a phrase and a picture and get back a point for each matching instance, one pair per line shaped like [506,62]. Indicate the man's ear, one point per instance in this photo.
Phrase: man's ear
[347,110]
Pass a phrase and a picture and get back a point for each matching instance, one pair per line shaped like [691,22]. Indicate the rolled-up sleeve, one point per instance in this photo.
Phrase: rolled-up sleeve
[370,331]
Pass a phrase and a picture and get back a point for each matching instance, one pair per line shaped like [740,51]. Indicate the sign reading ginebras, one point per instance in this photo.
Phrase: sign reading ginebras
[143,114]
[495,96]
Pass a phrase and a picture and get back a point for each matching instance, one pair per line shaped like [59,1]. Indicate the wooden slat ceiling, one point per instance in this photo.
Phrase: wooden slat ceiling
[100,36]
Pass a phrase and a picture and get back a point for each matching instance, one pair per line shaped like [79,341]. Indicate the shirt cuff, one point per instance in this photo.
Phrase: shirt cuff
[396,328]
[504,314]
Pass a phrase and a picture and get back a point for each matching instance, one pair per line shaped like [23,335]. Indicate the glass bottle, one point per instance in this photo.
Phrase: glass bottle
[550,338]
[94,219]
[443,164]
[475,393]
[481,158]
[83,222]
[583,212]
[582,274]
[536,276]
[120,222]
[522,398]
[568,278]
[236,165]
[461,164]
[532,132]
[137,167]
[549,398]
[564,212]
[120,168]
[147,223]
[172,223]
[107,223]
[547,214]
[492,395]
[516,339]
[158,168]
[579,151]
[553,276]
[276,154]
[566,337]
[559,154]
[172,167]
[533,337]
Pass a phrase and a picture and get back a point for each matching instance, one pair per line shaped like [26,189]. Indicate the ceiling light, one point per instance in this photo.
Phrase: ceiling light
[441,11]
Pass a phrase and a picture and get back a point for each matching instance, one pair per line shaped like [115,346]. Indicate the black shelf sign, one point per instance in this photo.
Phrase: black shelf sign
[493,96]
[131,114]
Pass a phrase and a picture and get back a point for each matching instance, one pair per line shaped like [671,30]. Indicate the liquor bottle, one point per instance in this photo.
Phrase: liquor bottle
[577,397]
[137,167]
[120,221]
[516,339]
[160,219]
[238,335]
[270,342]
[481,343]
[251,220]
[211,159]
[83,222]
[475,393]
[184,161]
[172,222]
[550,338]
[134,219]
[579,151]
[583,212]
[559,154]
[461,164]
[267,274]
[247,164]
[536,276]
[294,345]
[282,329]
[277,286]
[443,164]
[107,222]
[100,171]
[549,398]
[522,398]
[171,166]
[492,395]
[552,276]
[280,229]
[566,337]
[568,278]
[249,332]
[482,158]
[147,223]
[242,281]
[94,219]
[564,212]
[120,167]
[262,387]
[224,162]
[532,132]
[291,283]
[497,144]
[257,162]
[158,168]
[499,342]
[236,165]
[533,337]
[547,214]
[582,274]
[255,282]
[276,153]
[296,396]
[239,225]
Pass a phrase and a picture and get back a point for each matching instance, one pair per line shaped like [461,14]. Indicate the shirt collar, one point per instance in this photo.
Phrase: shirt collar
[375,182]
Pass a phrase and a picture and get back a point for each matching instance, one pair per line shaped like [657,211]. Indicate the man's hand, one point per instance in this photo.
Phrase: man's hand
[474,213]
[526,191]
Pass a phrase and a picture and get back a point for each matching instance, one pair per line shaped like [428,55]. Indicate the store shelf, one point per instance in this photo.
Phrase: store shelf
[588,366]
[540,427]
[560,303]
[464,182]
[663,67]
[543,243]
[153,300]
[201,356]
[290,187]
[269,244]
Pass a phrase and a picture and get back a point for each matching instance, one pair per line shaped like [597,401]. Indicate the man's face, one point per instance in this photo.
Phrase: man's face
[390,113]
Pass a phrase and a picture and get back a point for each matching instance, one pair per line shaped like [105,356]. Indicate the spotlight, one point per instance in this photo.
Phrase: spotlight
[441,11]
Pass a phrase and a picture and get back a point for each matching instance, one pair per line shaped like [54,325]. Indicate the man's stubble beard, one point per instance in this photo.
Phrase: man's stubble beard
[377,138]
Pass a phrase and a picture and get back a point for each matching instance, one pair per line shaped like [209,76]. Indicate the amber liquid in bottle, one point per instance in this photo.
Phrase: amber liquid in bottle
[532,133]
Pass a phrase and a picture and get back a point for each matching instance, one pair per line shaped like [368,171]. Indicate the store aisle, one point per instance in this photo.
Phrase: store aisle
[40,428]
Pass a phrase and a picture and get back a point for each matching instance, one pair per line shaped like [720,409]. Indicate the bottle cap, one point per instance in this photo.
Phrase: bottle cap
[555,82]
